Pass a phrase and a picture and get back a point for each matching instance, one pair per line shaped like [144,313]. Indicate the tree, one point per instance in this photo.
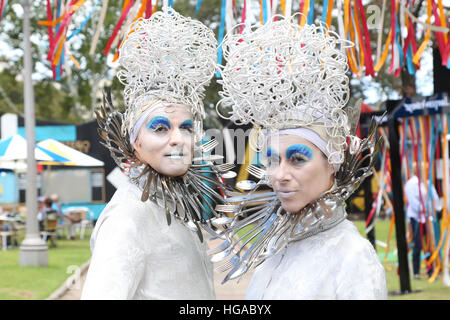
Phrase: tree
[74,98]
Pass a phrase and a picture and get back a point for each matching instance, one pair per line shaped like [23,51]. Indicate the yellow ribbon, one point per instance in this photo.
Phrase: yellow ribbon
[384,54]
[424,44]
[351,51]
[61,42]
[141,10]
[283,6]
[261,17]
[330,8]
[305,12]
[75,62]
[53,23]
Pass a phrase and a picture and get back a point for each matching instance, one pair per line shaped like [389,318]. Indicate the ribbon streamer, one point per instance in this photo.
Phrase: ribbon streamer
[78,30]
[118,25]
[221,34]
[99,27]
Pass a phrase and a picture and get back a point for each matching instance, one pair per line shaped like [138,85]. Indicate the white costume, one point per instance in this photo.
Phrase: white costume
[136,255]
[335,264]
[147,243]
[288,79]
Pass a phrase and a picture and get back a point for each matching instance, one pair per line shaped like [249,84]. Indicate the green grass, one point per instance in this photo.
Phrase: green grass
[421,289]
[36,283]
[21,283]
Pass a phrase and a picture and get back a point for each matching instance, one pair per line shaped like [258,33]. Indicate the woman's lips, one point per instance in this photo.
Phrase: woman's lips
[175,156]
[285,193]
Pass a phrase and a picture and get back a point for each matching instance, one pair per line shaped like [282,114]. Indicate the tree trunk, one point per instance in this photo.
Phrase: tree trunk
[441,74]
[408,84]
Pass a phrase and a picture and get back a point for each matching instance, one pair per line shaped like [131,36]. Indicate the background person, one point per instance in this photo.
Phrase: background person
[416,214]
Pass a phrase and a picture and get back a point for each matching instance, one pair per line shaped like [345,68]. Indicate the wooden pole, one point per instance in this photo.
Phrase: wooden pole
[397,189]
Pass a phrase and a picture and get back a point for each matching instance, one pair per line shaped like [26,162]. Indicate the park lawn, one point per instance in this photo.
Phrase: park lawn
[36,283]
[21,283]
[421,289]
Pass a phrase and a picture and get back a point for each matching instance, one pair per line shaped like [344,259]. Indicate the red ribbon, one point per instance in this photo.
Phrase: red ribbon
[148,9]
[1,9]
[244,13]
[368,51]
[61,30]
[447,51]
[411,33]
[50,33]
[391,68]
[407,42]
[117,27]
[439,35]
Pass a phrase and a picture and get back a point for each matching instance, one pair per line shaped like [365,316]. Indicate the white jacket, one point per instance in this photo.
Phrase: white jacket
[136,255]
[334,264]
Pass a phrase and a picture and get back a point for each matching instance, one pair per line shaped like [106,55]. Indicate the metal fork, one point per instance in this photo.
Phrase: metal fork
[221,221]
[225,167]
[256,171]
[221,247]
[208,146]
[232,242]
[225,208]
[235,258]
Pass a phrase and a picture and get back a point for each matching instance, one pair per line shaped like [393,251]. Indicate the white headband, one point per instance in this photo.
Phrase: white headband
[137,126]
[312,137]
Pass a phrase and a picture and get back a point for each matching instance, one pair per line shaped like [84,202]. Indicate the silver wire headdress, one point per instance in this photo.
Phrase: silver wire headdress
[277,76]
[190,198]
[261,227]
[169,58]
[283,75]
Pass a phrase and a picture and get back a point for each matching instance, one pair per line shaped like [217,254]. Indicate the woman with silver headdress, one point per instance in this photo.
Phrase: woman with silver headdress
[147,243]
[290,82]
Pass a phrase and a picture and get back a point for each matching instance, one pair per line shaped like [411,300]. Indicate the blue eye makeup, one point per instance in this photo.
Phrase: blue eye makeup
[299,153]
[187,124]
[158,123]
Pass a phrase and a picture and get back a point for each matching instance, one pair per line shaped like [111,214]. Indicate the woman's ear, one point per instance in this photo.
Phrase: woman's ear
[331,172]
[136,152]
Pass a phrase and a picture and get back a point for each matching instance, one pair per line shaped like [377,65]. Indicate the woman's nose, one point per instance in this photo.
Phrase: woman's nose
[176,137]
[281,172]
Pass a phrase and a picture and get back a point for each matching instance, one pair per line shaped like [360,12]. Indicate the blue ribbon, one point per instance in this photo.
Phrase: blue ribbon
[324,11]
[78,30]
[409,63]
[311,12]
[170,3]
[4,9]
[397,36]
[197,7]
[264,11]
[221,32]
